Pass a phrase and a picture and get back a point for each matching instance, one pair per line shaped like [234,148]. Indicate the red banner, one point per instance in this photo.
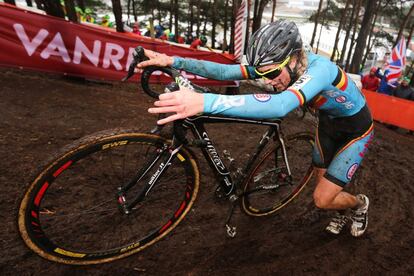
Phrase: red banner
[391,110]
[45,43]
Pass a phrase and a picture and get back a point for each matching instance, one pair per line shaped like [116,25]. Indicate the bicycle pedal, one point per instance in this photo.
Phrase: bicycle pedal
[231,231]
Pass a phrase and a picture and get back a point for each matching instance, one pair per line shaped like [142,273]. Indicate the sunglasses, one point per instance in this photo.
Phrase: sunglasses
[275,72]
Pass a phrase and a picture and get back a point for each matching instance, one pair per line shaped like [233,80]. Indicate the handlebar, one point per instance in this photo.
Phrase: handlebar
[139,56]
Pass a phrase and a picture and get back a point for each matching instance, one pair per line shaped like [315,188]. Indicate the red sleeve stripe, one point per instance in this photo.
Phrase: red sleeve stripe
[298,94]
[244,71]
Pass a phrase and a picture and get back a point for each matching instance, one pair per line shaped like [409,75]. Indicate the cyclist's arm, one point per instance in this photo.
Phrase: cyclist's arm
[268,106]
[213,70]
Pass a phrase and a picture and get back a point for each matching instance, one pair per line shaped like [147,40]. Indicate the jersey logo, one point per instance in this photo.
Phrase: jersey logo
[262,97]
[351,171]
[227,101]
[340,99]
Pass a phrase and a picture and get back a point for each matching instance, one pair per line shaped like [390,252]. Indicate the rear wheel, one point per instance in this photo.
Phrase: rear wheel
[71,211]
[268,187]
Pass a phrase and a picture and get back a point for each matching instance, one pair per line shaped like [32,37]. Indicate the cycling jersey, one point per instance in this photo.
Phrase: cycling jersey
[323,85]
[345,124]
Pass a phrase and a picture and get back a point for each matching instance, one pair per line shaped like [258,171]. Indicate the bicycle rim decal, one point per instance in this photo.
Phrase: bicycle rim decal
[69,253]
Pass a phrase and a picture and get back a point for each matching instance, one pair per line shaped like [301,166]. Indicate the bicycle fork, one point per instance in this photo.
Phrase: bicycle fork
[127,206]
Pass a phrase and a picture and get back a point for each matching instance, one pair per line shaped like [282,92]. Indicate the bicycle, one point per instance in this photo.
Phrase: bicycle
[114,193]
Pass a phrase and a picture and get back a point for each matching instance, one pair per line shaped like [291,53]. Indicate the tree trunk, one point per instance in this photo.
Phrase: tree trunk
[53,8]
[39,4]
[170,22]
[191,21]
[81,4]
[134,11]
[273,11]
[176,15]
[70,11]
[341,22]
[128,9]
[233,20]
[214,23]
[324,14]
[117,9]
[257,17]
[316,22]
[410,35]
[198,18]
[351,46]
[348,32]
[371,41]
[403,25]
[248,20]
[362,36]
[225,27]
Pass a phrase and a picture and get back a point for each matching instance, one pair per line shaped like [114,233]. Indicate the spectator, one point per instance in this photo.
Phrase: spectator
[135,28]
[189,39]
[201,41]
[159,31]
[171,37]
[180,39]
[89,16]
[105,21]
[385,86]
[404,91]
[370,80]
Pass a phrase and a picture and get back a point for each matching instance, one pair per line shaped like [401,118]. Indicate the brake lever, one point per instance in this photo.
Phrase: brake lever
[138,56]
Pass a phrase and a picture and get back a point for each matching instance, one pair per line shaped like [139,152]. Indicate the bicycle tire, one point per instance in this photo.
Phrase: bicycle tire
[69,213]
[267,188]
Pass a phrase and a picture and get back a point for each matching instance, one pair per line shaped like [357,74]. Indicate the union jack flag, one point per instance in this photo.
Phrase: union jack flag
[397,61]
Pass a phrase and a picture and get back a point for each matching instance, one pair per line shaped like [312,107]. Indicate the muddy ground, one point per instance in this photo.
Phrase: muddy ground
[40,113]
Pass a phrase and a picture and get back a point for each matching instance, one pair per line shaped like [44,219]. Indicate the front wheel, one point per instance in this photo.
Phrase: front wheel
[268,186]
[71,212]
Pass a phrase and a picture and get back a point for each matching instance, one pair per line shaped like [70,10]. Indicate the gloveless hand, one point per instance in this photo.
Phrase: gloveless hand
[182,103]
[156,59]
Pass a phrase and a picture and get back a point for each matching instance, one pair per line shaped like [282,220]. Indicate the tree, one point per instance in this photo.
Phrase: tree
[213,23]
[316,22]
[70,10]
[352,42]
[273,11]
[117,9]
[341,23]
[362,36]
[259,6]
[404,24]
[53,8]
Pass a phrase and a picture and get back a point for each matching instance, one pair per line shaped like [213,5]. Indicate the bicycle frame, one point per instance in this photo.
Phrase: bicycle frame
[196,125]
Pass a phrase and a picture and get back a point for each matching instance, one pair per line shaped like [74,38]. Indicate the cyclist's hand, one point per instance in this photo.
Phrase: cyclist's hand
[182,103]
[156,59]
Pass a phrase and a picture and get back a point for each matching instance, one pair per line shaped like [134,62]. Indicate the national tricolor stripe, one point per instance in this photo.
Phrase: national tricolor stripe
[244,71]
[341,80]
[299,94]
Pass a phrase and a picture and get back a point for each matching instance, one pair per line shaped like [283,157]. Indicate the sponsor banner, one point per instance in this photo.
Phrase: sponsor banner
[34,41]
[391,110]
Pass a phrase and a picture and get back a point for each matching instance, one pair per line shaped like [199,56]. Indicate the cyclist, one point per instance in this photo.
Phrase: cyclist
[345,127]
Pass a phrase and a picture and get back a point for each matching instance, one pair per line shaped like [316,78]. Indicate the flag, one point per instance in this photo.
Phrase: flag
[240,30]
[396,61]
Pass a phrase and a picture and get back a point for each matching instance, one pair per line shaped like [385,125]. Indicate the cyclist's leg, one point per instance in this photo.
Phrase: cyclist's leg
[329,192]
